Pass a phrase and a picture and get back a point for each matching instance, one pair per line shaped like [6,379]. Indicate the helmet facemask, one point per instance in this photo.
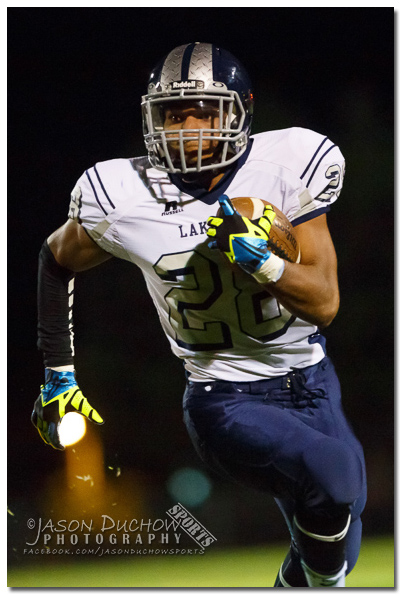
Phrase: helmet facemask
[203,76]
[169,138]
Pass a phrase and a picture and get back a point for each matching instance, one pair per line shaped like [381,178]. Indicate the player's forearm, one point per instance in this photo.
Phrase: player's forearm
[55,301]
[306,292]
[67,251]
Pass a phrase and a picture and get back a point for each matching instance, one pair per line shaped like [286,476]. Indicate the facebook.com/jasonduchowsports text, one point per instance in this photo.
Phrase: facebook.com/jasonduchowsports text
[178,534]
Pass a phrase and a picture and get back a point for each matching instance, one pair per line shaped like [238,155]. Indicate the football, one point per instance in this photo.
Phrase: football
[282,239]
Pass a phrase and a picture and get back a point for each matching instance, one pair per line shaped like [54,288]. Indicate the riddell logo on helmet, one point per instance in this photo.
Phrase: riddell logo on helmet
[186,84]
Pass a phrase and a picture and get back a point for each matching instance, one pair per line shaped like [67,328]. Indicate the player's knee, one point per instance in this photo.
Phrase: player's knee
[336,469]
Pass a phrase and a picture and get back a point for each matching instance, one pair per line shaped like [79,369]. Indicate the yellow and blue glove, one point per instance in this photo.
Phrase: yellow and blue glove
[59,395]
[243,241]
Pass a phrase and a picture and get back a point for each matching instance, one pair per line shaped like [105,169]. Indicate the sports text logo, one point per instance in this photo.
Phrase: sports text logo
[190,525]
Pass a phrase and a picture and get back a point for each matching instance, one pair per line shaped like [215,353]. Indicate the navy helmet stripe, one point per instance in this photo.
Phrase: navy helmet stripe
[185,64]
[216,63]
[156,74]
[312,159]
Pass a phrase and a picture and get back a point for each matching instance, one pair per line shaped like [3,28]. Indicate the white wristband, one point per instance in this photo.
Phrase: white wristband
[63,368]
[271,270]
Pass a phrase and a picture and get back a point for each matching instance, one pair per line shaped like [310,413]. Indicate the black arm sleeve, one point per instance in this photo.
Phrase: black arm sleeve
[55,304]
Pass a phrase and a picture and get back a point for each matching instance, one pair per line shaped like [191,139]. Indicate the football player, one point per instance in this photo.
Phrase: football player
[262,403]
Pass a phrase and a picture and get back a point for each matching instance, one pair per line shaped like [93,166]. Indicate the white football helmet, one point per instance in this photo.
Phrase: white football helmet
[212,80]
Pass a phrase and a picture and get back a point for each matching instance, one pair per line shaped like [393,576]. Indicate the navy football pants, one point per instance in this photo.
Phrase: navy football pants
[287,436]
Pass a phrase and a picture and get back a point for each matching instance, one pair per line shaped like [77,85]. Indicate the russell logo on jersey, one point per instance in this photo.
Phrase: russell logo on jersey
[171,208]
[185,231]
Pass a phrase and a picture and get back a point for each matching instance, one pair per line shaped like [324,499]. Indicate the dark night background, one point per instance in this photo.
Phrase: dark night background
[75,78]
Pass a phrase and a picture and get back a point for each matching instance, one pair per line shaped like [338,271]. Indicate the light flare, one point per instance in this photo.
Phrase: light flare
[72,428]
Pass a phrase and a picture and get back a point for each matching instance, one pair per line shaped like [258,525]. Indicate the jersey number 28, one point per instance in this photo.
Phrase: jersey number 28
[208,303]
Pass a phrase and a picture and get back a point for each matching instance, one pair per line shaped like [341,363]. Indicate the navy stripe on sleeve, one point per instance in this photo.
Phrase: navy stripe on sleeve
[94,191]
[310,215]
[319,161]
[312,159]
[103,188]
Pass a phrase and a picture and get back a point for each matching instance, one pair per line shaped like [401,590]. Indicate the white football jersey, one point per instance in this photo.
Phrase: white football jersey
[216,317]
